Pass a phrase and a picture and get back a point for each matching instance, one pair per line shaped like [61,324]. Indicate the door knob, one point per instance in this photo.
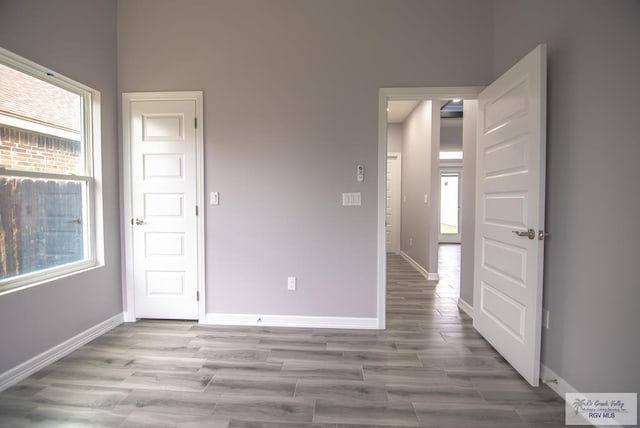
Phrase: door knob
[531,234]
[542,235]
[140,222]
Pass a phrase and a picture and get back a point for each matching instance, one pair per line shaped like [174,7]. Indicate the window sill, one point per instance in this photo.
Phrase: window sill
[50,276]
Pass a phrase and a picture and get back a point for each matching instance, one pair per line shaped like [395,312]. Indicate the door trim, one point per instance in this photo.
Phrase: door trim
[384,95]
[128,292]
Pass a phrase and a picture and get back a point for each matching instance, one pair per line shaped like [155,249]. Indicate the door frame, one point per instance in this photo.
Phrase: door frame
[128,291]
[391,94]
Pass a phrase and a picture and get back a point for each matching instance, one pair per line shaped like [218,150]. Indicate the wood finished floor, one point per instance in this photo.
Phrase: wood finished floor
[429,369]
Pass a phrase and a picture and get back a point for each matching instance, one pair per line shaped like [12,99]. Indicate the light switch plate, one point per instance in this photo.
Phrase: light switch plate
[214,198]
[291,283]
[352,199]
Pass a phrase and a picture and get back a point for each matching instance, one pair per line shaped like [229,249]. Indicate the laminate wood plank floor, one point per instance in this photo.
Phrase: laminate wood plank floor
[429,368]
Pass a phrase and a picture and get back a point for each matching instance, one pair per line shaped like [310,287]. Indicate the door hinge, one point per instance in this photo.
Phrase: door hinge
[195,122]
[196,211]
[197,296]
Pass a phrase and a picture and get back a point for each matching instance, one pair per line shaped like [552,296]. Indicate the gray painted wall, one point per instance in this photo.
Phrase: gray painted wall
[78,39]
[434,194]
[450,135]
[394,137]
[591,284]
[416,182]
[291,99]
[468,200]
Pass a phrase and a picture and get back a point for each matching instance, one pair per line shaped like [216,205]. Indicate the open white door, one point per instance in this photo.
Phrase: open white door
[509,245]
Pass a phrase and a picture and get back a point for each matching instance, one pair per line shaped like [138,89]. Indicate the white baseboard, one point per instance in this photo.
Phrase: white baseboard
[428,275]
[558,385]
[26,369]
[291,321]
[128,316]
[465,307]
[555,382]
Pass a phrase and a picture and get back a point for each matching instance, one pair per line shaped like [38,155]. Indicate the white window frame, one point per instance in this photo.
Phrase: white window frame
[93,226]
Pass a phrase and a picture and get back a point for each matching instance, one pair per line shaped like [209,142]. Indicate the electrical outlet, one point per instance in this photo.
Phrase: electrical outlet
[411,242]
[291,283]
[545,318]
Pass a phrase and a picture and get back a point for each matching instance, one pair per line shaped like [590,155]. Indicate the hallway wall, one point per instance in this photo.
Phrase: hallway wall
[415,238]
[395,137]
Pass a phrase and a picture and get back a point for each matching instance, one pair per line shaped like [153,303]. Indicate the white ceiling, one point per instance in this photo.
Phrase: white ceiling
[397,111]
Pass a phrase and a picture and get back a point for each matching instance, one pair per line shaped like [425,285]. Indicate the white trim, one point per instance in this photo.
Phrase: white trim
[465,307]
[560,386]
[26,369]
[128,291]
[381,207]
[291,321]
[429,276]
[384,95]
[555,382]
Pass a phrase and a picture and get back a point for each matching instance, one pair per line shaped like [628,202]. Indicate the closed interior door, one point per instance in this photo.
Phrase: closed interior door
[510,213]
[392,222]
[163,206]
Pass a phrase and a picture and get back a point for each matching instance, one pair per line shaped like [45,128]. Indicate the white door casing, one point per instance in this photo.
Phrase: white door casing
[393,202]
[510,197]
[163,181]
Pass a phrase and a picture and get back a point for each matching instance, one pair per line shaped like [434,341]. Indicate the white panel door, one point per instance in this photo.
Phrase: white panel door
[510,213]
[393,205]
[163,190]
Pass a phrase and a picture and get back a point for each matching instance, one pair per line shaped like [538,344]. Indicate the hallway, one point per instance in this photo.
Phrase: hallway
[429,368]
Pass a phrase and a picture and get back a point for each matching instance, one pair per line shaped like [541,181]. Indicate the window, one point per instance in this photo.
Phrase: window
[48,177]
[450,155]
[449,203]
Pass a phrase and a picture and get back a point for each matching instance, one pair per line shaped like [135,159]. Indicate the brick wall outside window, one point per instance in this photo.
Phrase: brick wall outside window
[26,150]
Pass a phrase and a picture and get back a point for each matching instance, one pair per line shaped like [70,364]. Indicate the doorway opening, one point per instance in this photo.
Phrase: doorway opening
[410,125]
[509,197]
[450,207]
